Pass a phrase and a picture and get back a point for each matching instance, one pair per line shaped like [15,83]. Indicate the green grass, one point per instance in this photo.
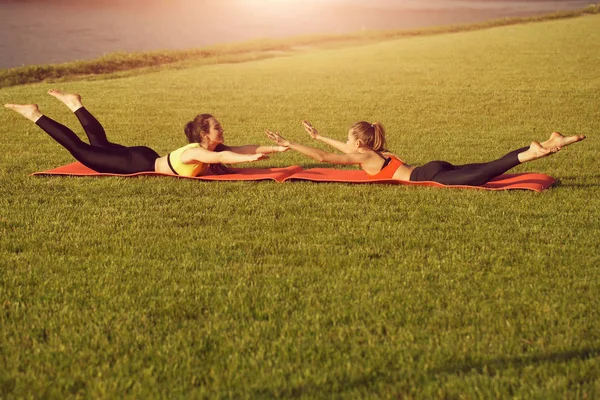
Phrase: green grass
[125,64]
[158,287]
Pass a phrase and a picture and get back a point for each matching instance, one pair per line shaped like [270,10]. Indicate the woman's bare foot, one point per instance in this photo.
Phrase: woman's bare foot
[71,100]
[535,151]
[29,111]
[558,140]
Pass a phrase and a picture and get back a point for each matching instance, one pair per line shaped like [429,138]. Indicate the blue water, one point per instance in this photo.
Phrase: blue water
[44,32]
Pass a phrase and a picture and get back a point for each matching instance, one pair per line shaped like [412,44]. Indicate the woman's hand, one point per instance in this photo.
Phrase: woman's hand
[311,130]
[277,138]
[280,149]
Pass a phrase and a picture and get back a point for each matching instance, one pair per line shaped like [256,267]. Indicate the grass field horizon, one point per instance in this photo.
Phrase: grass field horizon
[159,287]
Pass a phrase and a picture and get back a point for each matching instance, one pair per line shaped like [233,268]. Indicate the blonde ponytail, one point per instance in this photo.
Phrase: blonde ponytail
[378,137]
[370,135]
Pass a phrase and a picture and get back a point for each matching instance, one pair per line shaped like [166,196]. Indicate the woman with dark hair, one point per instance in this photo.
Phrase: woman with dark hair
[366,147]
[104,156]
[205,131]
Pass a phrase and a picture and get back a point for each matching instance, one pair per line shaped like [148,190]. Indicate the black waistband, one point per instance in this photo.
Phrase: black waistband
[170,165]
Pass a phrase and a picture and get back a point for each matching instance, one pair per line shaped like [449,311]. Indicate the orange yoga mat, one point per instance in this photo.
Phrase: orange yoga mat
[241,174]
[529,181]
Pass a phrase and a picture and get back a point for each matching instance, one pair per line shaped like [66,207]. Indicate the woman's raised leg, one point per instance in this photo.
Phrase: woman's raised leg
[479,174]
[123,160]
[93,129]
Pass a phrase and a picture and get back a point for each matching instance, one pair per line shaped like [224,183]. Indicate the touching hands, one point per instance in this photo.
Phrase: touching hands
[277,138]
[311,130]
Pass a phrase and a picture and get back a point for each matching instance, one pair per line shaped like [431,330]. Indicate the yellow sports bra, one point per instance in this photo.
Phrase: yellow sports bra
[179,168]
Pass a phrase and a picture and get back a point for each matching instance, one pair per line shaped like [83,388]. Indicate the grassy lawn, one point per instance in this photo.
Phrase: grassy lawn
[158,287]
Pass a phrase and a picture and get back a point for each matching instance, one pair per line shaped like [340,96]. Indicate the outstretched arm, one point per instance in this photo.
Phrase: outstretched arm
[254,149]
[199,154]
[317,154]
[343,147]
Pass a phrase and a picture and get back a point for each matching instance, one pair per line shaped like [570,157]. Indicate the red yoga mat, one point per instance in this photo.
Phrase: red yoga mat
[529,181]
[241,174]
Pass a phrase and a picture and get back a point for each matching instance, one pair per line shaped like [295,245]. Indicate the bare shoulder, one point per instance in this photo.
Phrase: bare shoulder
[194,154]
[364,157]
[389,154]
[196,150]
[373,156]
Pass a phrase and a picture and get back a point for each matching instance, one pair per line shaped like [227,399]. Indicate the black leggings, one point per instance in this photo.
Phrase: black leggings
[468,174]
[100,155]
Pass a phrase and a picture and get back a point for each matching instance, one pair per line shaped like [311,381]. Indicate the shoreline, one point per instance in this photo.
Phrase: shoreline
[122,63]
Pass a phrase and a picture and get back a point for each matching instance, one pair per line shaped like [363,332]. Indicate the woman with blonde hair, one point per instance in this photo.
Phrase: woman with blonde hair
[365,146]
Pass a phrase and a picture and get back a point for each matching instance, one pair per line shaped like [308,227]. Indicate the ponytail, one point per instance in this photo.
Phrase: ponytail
[370,135]
[378,137]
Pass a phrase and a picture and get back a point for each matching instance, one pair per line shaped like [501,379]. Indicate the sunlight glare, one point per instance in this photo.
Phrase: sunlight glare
[282,5]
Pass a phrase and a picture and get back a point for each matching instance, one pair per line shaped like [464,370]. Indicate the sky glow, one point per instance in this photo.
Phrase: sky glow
[53,31]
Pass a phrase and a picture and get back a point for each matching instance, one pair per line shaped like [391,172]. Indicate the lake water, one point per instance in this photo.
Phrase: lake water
[44,32]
